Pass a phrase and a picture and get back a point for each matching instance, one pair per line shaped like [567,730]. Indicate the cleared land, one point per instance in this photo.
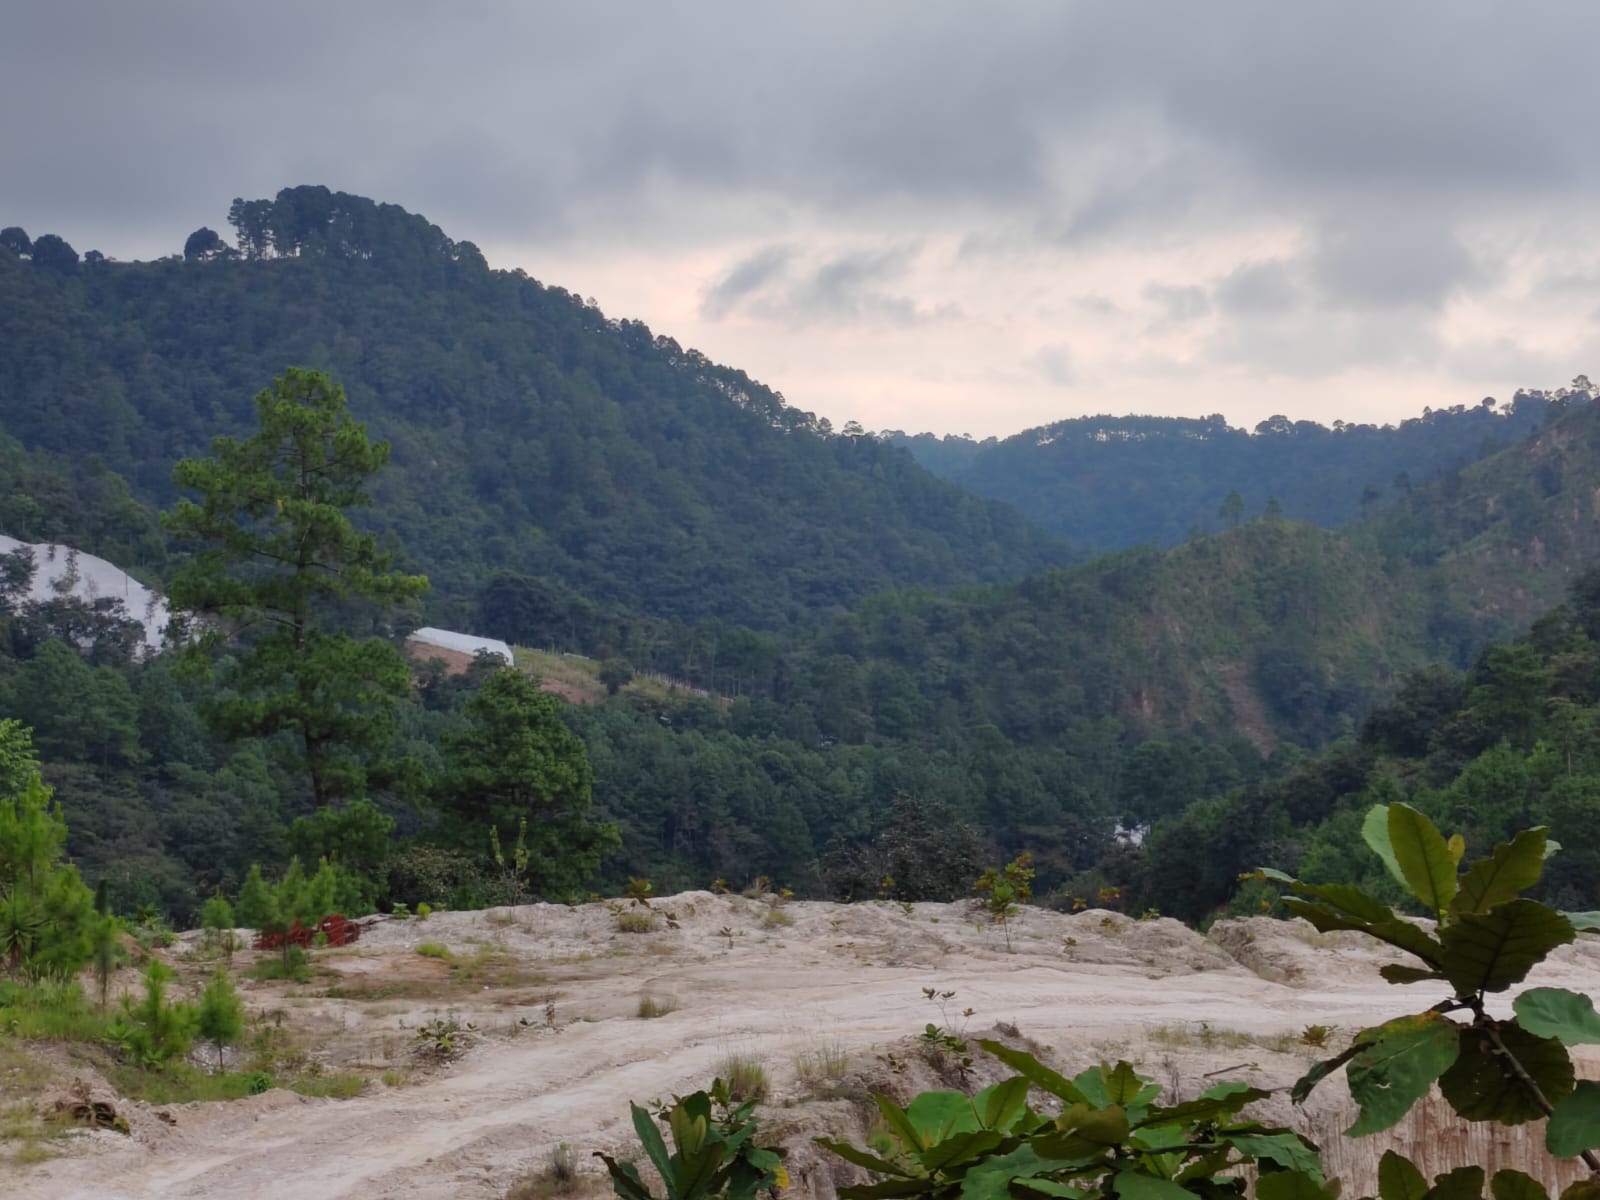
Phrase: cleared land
[826,997]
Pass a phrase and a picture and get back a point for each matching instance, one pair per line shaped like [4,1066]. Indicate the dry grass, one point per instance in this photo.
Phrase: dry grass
[651,1007]
[745,1075]
[822,1062]
[558,1176]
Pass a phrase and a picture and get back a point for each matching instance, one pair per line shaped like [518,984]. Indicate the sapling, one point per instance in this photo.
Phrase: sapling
[220,1019]
[1003,892]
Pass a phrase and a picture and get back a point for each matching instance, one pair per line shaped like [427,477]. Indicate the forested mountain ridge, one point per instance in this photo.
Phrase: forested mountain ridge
[1110,482]
[531,434]
[546,457]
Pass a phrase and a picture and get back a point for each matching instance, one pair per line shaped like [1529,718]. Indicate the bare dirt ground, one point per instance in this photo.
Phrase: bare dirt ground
[559,1047]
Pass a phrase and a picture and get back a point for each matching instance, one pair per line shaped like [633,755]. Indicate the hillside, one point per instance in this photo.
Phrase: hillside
[531,433]
[1111,482]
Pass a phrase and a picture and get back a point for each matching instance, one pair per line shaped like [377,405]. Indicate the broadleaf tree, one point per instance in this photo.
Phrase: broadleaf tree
[279,560]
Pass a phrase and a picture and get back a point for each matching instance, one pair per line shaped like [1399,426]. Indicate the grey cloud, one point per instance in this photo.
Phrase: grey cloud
[1178,304]
[506,118]
[1054,365]
[1258,287]
[774,285]
[1391,259]
[745,277]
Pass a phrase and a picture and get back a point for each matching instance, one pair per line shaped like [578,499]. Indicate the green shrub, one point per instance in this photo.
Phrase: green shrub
[715,1151]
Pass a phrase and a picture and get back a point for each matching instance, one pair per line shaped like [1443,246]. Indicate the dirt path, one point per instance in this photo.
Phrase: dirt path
[1153,992]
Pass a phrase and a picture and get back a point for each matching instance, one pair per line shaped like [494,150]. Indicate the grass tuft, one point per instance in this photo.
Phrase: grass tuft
[651,1007]
[745,1075]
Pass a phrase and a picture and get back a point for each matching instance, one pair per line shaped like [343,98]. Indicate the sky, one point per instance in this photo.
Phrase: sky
[929,216]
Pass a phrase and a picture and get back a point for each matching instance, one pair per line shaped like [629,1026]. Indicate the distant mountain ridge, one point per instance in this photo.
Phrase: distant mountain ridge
[1112,482]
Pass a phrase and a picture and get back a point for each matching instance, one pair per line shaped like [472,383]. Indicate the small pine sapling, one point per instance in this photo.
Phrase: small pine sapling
[216,918]
[220,1019]
[105,938]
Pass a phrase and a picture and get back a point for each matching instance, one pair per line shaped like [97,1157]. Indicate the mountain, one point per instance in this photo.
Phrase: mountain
[1112,482]
[532,435]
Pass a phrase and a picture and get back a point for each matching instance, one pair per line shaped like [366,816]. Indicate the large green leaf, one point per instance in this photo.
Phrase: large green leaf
[1290,1185]
[1396,931]
[958,1151]
[1569,1017]
[991,1179]
[1397,973]
[1515,1185]
[1491,951]
[1206,1108]
[1135,1185]
[1320,1071]
[1399,1179]
[1003,1105]
[1287,1150]
[1584,1189]
[1347,899]
[650,1138]
[1464,1183]
[1035,1072]
[1375,832]
[890,1189]
[861,1158]
[625,1179]
[1397,1063]
[1424,858]
[1482,1086]
[1514,867]
[938,1115]
[899,1124]
[1575,1125]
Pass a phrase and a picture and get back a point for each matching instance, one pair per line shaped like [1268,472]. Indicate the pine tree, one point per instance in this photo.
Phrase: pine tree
[278,555]
[220,1019]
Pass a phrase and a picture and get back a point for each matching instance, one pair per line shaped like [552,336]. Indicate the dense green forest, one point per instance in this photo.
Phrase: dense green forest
[530,433]
[1109,482]
[892,685]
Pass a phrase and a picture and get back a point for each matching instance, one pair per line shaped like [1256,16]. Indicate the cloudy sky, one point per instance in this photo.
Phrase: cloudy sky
[925,216]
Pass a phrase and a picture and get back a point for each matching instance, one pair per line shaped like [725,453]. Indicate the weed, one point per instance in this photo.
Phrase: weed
[1003,891]
[435,950]
[1316,1035]
[821,1062]
[726,932]
[639,892]
[944,1041]
[636,922]
[443,1038]
[651,1007]
[776,918]
[746,1077]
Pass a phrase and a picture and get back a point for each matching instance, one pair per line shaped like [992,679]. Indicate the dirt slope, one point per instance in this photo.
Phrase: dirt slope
[560,1048]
